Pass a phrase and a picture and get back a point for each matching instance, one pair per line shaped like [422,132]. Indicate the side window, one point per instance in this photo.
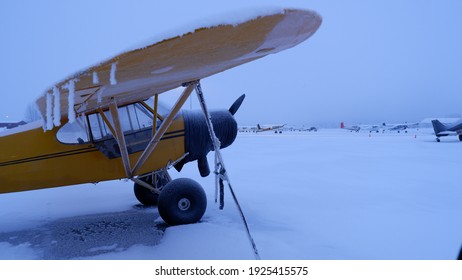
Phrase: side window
[98,127]
[74,133]
[133,118]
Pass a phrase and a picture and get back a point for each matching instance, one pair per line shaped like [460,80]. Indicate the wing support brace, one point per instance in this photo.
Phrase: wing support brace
[221,174]
[116,130]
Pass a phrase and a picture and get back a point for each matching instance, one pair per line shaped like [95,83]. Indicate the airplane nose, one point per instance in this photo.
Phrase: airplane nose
[225,127]
[197,138]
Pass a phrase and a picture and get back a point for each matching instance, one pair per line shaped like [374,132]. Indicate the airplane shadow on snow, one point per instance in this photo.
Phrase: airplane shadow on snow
[91,235]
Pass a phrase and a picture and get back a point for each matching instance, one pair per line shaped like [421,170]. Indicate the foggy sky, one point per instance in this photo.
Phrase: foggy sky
[370,61]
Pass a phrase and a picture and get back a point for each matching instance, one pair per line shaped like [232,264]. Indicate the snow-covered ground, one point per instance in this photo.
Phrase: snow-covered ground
[330,194]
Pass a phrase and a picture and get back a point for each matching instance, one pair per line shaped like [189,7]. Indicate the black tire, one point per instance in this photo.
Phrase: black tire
[182,201]
[146,196]
[460,137]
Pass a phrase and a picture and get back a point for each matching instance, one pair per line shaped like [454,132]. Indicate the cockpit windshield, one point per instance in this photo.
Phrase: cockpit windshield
[133,118]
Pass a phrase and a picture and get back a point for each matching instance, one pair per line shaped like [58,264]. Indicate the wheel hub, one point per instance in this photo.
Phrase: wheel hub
[184,204]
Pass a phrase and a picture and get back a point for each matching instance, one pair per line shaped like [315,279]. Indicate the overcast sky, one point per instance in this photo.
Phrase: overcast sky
[370,61]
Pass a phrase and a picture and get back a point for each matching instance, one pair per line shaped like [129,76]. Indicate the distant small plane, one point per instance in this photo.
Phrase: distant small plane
[454,129]
[312,128]
[401,127]
[276,128]
[355,128]
[247,128]
[371,127]
[303,128]
[376,127]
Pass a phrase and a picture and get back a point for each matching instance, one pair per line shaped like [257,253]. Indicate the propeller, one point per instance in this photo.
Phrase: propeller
[197,141]
[202,162]
[233,109]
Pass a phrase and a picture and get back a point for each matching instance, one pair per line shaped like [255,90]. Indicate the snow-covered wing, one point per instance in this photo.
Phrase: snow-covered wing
[165,65]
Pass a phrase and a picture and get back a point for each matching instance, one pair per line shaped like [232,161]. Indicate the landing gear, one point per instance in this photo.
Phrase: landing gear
[460,137]
[182,201]
[149,197]
[438,139]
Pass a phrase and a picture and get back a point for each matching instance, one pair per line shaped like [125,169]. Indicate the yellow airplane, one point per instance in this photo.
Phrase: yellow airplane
[105,122]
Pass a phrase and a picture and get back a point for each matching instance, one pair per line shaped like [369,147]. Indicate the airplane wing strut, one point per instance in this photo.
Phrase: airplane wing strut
[162,129]
[221,174]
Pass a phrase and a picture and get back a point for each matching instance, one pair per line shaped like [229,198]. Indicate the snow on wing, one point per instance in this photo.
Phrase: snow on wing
[138,74]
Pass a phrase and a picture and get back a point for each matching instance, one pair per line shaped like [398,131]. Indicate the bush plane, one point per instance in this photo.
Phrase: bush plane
[105,122]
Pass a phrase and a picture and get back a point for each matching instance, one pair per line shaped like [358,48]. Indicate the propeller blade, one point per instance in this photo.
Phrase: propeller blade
[233,109]
[203,166]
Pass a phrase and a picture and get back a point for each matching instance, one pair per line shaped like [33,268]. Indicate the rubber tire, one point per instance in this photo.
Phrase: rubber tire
[169,199]
[146,196]
[460,137]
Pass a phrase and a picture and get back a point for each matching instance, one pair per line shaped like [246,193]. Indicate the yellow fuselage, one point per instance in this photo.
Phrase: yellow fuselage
[34,159]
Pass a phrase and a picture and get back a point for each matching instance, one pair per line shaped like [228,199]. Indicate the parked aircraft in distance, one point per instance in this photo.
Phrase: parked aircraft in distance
[277,128]
[355,128]
[365,127]
[247,128]
[371,127]
[401,127]
[302,128]
[441,129]
[377,127]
